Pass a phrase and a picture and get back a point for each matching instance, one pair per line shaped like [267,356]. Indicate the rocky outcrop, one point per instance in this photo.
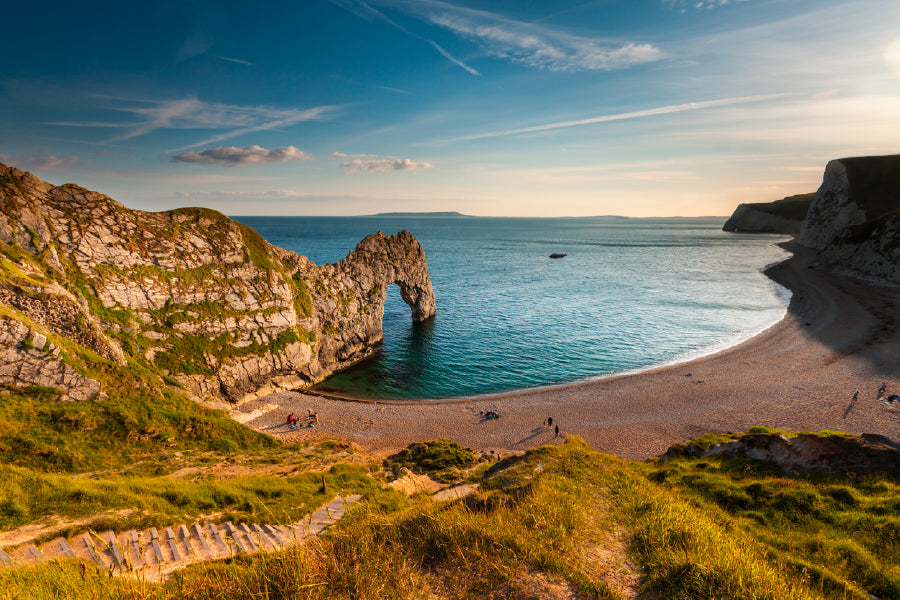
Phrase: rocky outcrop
[854,220]
[197,297]
[781,216]
[28,359]
[837,454]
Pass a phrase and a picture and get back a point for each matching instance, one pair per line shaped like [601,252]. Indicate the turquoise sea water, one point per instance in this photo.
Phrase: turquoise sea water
[630,294]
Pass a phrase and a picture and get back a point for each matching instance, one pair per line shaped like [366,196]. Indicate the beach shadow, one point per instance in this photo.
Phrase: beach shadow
[534,433]
[849,408]
[283,426]
[819,300]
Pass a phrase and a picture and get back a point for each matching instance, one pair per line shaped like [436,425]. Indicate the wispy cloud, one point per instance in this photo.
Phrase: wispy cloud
[246,195]
[277,120]
[455,61]
[342,156]
[242,157]
[685,5]
[192,113]
[365,11]
[196,44]
[238,61]
[380,165]
[661,110]
[376,86]
[541,47]
[530,44]
[39,163]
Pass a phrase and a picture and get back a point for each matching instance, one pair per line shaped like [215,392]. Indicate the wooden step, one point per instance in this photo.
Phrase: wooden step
[130,543]
[217,542]
[58,548]
[28,555]
[172,546]
[85,548]
[153,555]
[233,538]
[185,538]
[112,551]
[261,538]
[199,542]
[275,536]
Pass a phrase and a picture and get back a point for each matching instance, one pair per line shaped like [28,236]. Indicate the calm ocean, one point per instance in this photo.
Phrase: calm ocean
[631,294]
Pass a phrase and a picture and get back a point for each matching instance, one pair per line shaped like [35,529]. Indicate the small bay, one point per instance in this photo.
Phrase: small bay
[629,294]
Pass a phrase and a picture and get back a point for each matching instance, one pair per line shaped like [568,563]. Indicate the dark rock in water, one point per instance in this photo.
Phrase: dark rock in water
[555,255]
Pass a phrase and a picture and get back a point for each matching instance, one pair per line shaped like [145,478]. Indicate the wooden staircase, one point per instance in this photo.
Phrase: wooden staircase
[152,553]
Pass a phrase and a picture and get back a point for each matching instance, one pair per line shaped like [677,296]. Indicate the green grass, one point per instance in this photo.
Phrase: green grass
[843,535]
[443,460]
[202,354]
[134,423]
[559,521]
[126,501]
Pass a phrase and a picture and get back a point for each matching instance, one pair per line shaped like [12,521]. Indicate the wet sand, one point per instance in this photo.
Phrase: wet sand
[839,335]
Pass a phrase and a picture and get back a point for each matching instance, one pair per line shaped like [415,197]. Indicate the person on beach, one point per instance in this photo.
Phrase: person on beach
[557,431]
[290,418]
[549,421]
[881,390]
[855,395]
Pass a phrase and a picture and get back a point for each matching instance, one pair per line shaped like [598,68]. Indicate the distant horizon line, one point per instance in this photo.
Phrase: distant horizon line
[456,215]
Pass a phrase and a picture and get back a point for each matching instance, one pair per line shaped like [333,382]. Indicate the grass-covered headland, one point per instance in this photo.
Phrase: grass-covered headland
[557,522]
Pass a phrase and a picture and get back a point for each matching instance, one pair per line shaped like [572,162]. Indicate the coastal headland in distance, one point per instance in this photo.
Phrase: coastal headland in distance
[839,335]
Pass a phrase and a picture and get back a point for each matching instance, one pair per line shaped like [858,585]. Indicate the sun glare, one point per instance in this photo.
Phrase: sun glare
[892,56]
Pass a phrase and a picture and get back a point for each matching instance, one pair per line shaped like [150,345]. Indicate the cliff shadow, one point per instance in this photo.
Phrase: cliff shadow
[848,316]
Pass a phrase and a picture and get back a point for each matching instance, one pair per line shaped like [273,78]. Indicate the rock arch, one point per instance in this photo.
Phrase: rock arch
[350,296]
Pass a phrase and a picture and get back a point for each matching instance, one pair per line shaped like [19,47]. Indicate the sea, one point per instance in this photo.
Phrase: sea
[630,294]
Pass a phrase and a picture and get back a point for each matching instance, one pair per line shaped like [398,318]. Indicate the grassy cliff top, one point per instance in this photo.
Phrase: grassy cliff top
[792,207]
[562,522]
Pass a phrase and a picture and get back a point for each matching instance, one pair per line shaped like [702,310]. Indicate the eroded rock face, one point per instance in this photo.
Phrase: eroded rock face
[201,298]
[854,220]
[27,358]
[806,452]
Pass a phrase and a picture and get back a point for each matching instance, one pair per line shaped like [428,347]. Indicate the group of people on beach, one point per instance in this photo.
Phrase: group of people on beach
[311,420]
[549,423]
[885,399]
[882,395]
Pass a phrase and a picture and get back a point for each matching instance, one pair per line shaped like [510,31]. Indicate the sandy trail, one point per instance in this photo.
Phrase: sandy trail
[839,336]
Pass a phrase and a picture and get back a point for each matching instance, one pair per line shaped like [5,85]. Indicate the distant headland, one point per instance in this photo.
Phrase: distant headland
[450,213]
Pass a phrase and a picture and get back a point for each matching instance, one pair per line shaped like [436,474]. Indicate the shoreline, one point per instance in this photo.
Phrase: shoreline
[673,362]
[838,335]
[693,355]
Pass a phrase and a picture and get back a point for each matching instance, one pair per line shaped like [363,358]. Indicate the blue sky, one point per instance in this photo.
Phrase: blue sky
[342,107]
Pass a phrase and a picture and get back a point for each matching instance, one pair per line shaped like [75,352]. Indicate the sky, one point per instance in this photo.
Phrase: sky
[502,108]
